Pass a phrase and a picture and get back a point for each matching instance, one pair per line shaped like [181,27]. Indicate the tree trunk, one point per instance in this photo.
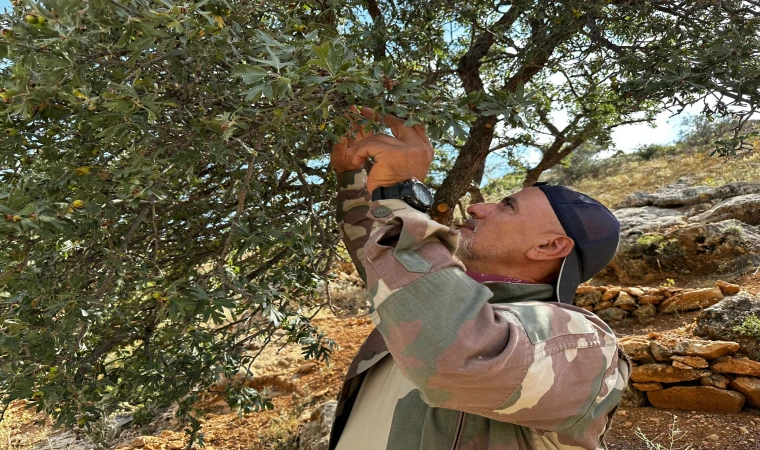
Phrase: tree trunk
[471,157]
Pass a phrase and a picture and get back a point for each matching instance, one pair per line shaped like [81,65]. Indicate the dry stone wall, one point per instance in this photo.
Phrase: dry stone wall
[613,303]
[694,374]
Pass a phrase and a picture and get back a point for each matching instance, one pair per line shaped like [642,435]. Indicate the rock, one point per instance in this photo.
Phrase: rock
[590,298]
[728,288]
[611,293]
[315,435]
[691,300]
[663,373]
[695,362]
[584,289]
[650,299]
[588,308]
[646,387]
[718,322]
[697,398]
[634,200]
[175,445]
[636,292]
[612,314]
[739,365]
[715,380]
[705,349]
[602,305]
[745,208]
[625,301]
[637,348]
[713,437]
[633,397]
[750,387]
[637,221]
[681,193]
[659,351]
[645,311]
[649,253]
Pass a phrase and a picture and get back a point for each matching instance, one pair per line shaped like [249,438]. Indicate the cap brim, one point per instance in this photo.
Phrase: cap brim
[569,278]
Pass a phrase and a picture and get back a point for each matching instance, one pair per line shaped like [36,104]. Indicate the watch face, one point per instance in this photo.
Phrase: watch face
[422,193]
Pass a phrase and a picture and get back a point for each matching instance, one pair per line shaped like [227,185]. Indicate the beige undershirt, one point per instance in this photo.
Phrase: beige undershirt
[372,415]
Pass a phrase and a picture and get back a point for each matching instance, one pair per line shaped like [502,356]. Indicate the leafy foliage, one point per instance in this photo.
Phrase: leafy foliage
[164,195]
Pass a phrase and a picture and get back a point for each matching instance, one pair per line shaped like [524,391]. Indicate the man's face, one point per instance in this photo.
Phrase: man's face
[501,234]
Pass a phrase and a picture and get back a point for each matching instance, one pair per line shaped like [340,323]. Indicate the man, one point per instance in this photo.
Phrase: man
[494,357]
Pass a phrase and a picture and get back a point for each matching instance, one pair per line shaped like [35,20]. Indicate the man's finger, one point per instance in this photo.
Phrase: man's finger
[396,124]
[372,146]
[421,132]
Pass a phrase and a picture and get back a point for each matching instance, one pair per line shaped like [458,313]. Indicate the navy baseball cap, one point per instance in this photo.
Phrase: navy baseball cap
[593,228]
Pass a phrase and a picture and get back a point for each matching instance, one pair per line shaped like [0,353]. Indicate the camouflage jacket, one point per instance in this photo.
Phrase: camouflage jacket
[493,365]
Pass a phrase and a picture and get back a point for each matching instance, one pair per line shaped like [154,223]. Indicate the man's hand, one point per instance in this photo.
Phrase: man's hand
[406,155]
[343,152]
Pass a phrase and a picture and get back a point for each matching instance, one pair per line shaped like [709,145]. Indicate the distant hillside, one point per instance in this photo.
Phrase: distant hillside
[648,168]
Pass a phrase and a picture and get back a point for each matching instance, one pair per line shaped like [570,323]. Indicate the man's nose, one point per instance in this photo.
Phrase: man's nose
[480,210]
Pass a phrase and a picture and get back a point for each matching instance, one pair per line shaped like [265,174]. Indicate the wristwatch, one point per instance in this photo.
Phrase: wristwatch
[413,192]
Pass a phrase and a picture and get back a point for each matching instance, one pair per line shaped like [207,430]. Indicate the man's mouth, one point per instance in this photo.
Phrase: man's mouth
[469,224]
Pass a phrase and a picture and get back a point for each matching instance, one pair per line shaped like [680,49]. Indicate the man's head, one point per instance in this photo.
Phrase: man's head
[546,234]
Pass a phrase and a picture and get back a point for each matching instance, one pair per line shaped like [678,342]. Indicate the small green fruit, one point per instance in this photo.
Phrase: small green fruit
[10,132]
[31,19]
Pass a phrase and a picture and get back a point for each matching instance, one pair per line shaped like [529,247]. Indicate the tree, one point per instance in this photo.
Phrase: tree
[604,63]
[164,192]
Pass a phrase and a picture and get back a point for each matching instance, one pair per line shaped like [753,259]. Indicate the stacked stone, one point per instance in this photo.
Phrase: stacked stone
[613,303]
[694,374]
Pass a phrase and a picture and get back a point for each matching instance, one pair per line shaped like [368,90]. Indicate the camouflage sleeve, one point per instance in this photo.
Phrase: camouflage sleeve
[353,203]
[543,365]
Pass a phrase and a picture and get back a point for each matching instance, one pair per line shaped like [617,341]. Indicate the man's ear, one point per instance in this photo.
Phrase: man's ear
[550,248]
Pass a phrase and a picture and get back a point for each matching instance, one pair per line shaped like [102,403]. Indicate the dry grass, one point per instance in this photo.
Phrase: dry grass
[651,175]
[22,428]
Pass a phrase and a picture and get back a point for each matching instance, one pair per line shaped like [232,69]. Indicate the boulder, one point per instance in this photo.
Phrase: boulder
[748,386]
[740,365]
[645,312]
[659,351]
[584,289]
[728,288]
[728,247]
[625,301]
[681,194]
[745,208]
[633,397]
[634,291]
[695,362]
[719,321]
[635,200]
[589,298]
[647,387]
[691,300]
[611,293]
[736,189]
[602,305]
[651,299]
[315,435]
[663,373]
[637,221]
[637,348]
[697,398]
[705,349]
[715,380]
[612,314]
